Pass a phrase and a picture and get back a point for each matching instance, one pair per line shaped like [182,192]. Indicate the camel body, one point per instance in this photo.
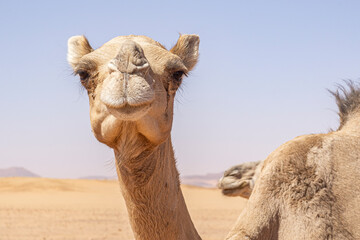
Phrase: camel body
[309,188]
[304,191]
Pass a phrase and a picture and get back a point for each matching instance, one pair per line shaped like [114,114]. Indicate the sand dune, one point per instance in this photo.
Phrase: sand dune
[58,209]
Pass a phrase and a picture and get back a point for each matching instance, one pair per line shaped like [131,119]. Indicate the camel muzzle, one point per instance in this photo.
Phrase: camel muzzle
[129,83]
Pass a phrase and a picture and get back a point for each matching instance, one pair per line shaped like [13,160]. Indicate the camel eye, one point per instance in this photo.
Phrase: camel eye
[177,76]
[84,75]
[234,173]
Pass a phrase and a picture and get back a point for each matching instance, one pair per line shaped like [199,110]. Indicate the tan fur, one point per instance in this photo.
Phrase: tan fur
[308,188]
[131,83]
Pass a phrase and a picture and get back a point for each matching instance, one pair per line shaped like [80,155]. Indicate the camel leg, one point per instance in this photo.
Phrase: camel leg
[259,219]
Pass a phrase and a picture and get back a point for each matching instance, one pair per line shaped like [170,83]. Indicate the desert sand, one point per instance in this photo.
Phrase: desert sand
[67,209]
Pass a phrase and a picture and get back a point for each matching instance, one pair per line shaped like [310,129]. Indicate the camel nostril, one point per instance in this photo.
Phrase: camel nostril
[143,66]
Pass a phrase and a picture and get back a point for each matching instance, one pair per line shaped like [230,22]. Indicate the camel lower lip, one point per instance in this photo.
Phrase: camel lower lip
[129,112]
[228,191]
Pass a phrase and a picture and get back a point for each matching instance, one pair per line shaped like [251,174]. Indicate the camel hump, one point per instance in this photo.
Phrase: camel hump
[348,101]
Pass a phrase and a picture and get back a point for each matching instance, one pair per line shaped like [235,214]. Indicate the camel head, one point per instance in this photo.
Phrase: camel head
[131,82]
[239,180]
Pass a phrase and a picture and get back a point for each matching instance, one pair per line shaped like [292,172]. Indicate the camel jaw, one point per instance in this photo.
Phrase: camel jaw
[236,192]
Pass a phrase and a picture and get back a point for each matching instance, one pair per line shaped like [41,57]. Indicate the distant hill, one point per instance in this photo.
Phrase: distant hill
[17,172]
[209,180]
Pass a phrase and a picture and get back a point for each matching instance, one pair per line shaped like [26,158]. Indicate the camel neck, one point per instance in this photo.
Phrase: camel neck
[154,200]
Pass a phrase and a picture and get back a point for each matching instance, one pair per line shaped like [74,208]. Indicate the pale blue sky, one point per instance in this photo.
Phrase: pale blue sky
[261,80]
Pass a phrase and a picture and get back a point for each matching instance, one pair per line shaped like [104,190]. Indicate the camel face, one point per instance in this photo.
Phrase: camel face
[239,180]
[131,81]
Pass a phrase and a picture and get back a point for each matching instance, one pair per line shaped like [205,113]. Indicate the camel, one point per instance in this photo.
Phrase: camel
[131,83]
[309,188]
[240,180]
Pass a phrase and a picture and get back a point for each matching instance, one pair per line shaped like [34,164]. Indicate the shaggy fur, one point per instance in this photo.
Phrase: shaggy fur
[348,100]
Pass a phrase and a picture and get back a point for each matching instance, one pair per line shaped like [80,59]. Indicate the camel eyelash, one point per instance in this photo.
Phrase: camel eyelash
[82,74]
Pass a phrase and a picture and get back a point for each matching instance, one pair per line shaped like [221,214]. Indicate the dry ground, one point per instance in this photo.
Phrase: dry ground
[58,209]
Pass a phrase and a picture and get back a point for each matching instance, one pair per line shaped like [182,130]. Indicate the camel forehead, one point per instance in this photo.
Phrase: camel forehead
[242,168]
[138,39]
[158,57]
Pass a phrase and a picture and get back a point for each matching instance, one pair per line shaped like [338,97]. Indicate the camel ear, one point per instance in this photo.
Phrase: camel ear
[187,48]
[78,46]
